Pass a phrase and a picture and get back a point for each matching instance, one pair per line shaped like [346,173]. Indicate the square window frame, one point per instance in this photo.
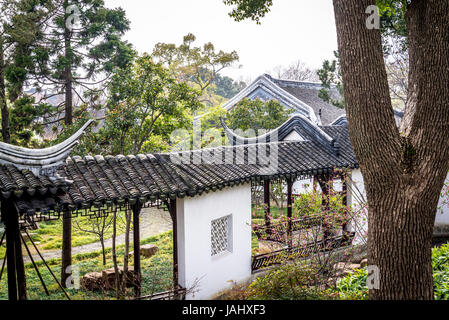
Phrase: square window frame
[230,247]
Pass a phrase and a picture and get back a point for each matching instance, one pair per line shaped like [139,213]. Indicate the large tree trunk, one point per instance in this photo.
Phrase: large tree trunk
[68,118]
[3,102]
[403,171]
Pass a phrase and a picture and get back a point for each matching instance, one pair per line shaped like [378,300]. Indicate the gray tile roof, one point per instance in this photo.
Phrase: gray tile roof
[101,181]
[308,93]
[17,183]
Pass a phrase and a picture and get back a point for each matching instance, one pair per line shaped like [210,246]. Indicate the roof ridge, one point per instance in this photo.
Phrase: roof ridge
[300,82]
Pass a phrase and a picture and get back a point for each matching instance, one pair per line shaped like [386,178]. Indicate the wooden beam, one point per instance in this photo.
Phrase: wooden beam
[325,183]
[137,208]
[34,265]
[8,218]
[20,267]
[46,264]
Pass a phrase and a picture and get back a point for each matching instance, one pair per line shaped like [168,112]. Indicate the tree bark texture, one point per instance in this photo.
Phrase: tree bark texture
[68,116]
[403,169]
[67,221]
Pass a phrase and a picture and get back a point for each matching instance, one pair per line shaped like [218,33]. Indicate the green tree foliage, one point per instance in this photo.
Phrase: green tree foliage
[249,9]
[393,27]
[330,75]
[23,124]
[196,65]
[392,12]
[91,143]
[393,22]
[21,23]
[227,87]
[394,32]
[80,49]
[146,104]
[257,114]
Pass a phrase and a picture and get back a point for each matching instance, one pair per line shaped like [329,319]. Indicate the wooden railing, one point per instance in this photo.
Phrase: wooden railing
[266,260]
[177,294]
[278,231]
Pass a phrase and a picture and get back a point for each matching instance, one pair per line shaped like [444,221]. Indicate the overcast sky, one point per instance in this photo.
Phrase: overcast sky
[294,29]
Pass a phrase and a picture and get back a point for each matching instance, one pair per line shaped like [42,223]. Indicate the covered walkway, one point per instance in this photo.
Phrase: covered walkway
[99,185]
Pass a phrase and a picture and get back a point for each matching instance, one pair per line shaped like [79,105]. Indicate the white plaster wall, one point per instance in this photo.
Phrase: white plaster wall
[194,241]
[293,136]
[442,217]
[357,194]
[302,186]
[357,200]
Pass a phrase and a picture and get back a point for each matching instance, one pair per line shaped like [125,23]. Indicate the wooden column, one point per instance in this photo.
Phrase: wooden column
[10,250]
[290,213]
[172,208]
[137,208]
[20,267]
[66,255]
[324,180]
[14,258]
[266,196]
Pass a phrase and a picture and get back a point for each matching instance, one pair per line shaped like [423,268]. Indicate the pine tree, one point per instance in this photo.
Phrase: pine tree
[81,47]
[21,23]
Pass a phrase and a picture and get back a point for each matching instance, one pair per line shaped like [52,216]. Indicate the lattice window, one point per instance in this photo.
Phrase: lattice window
[220,235]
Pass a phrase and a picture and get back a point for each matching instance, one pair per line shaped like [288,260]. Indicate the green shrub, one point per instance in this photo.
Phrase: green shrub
[289,282]
[310,204]
[307,204]
[354,286]
[440,262]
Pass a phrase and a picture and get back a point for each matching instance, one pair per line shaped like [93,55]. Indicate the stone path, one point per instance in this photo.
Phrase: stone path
[153,221]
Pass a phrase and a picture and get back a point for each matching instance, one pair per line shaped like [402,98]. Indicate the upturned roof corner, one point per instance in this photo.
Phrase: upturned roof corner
[41,162]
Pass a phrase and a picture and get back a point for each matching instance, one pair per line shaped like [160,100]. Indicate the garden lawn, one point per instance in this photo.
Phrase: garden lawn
[49,235]
[157,273]
[259,212]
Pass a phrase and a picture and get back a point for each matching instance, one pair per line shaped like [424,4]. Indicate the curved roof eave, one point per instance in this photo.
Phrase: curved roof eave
[25,158]
[275,132]
[264,81]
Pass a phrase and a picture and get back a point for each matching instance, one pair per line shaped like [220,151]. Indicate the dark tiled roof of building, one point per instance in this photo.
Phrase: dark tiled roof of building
[101,181]
[306,130]
[18,183]
[308,93]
